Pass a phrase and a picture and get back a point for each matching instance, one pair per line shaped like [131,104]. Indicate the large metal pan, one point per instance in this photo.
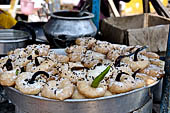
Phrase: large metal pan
[120,103]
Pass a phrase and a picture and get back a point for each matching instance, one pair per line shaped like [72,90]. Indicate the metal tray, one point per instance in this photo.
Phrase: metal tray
[120,103]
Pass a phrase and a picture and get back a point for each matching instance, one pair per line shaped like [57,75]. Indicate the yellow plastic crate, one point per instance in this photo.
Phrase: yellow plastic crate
[136,7]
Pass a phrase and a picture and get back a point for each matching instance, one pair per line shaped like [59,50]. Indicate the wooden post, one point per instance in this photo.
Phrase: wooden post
[146,7]
[113,8]
[165,101]
[146,19]
[160,8]
[13,7]
[96,12]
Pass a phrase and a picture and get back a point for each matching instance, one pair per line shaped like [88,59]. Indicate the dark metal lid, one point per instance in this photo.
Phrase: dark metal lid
[10,35]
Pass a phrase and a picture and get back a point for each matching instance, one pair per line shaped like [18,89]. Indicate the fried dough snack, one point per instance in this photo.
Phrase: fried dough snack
[60,89]
[39,70]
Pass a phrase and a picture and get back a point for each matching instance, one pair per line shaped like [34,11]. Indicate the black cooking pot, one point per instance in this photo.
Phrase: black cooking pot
[65,26]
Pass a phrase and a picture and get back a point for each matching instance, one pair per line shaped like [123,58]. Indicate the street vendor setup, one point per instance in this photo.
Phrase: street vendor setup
[76,72]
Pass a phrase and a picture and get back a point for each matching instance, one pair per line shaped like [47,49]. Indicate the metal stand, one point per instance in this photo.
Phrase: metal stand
[147,108]
[165,102]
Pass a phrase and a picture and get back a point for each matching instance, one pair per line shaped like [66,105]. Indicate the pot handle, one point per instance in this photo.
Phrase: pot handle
[25,27]
[55,44]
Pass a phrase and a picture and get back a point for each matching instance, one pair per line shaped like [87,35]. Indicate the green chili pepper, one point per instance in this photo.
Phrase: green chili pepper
[100,77]
[17,72]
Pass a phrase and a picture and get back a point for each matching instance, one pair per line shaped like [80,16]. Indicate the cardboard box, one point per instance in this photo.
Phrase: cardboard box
[144,29]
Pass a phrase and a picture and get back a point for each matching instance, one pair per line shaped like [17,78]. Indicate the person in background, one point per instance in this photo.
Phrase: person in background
[4,2]
[104,8]
[6,20]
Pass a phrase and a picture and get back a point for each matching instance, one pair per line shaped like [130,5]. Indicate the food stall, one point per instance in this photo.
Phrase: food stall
[66,65]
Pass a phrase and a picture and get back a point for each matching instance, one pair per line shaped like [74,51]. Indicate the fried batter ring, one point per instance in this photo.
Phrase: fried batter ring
[84,87]
[58,90]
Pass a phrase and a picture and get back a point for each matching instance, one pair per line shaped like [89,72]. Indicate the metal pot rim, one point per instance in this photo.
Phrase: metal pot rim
[23,35]
[90,15]
[86,100]
[13,41]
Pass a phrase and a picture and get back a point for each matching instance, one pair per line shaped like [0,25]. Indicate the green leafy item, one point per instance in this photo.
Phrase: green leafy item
[100,77]
[17,72]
